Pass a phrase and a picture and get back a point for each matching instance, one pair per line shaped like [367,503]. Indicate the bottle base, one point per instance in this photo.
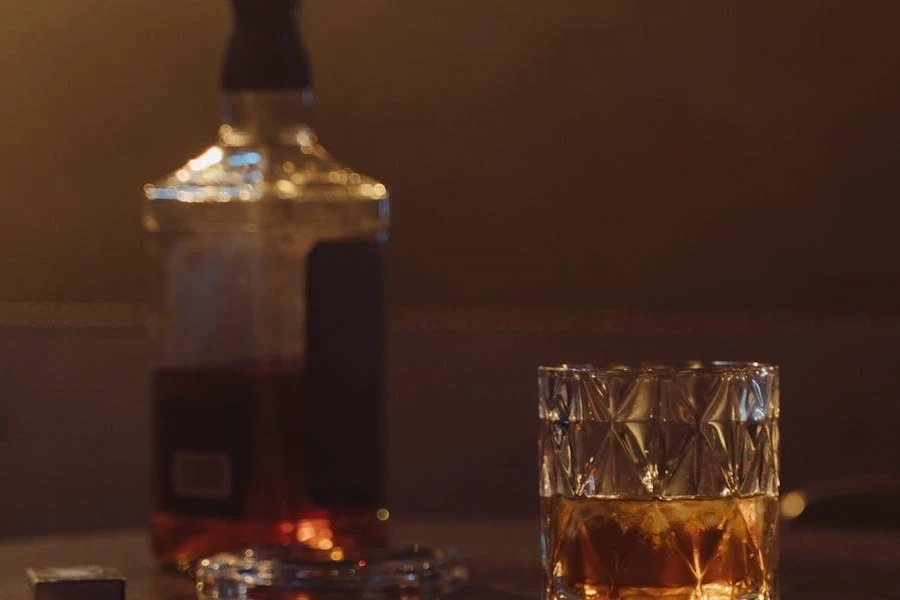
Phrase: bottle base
[180,542]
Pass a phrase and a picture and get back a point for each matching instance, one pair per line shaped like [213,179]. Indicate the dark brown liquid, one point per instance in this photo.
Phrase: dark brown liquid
[180,541]
[292,475]
[677,549]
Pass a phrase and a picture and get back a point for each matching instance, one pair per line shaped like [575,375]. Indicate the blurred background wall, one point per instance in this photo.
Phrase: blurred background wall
[607,154]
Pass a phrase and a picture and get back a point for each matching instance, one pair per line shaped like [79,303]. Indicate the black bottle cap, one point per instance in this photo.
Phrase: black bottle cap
[266,51]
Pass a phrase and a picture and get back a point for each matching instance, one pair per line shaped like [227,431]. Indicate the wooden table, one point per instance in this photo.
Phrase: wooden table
[816,564]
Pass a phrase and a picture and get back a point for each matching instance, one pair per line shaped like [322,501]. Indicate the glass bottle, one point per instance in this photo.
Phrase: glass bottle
[267,257]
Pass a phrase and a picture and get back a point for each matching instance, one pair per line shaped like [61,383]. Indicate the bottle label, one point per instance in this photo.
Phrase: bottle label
[204,441]
[204,475]
[253,439]
[343,416]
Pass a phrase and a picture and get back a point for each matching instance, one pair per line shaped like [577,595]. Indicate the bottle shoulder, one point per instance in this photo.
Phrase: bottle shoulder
[288,182]
[293,167]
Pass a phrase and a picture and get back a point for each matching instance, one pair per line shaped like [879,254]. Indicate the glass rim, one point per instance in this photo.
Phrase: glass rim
[715,367]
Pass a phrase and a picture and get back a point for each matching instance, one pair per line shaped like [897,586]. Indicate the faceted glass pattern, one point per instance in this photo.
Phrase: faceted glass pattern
[633,456]
[659,432]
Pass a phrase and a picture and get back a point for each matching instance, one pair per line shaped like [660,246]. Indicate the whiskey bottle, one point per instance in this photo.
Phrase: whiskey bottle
[267,261]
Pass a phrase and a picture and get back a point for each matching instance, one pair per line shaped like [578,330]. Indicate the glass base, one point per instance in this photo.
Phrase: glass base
[292,573]
[557,590]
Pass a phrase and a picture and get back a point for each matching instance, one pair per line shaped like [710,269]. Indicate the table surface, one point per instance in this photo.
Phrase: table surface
[820,564]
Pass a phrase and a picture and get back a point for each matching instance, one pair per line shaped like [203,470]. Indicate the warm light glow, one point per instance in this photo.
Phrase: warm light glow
[211,157]
[305,531]
[325,544]
[375,192]
[286,527]
[792,505]
[183,176]
[232,137]
[382,514]
[289,167]
[337,554]
[286,188]
[305,139]
[315,533]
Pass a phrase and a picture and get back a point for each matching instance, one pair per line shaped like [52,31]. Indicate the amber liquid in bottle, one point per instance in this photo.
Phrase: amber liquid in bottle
[245,482]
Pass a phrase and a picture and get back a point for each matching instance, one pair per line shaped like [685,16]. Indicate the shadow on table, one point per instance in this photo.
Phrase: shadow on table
[469,593]
[505,584]
[476,593]
[800,579]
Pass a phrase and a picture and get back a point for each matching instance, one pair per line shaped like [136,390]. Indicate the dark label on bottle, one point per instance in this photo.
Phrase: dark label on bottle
[204,441]
[344,442]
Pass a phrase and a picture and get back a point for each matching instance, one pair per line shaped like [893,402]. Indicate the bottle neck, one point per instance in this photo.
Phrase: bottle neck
[266,48]
[266,117]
